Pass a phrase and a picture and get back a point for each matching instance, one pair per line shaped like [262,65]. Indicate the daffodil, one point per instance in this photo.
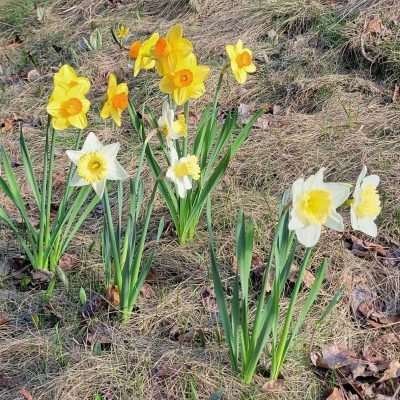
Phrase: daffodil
[67,78]
[117,100]
[122,32]
[95,164]
[68,107]
[134,49]
[170,128]
[144,58]
[171,48]
[186,81]
[241,61]
[182,171]
[366,204]
[314,205]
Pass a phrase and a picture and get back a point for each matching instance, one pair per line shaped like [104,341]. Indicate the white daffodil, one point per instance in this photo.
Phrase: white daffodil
[95,164]
[169,128]
[314,205]
[366,204]
[182,171]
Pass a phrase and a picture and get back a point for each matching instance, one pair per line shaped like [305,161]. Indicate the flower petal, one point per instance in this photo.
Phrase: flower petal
[340,192]
[116,172]
[309,235]
[99,188]
[335,222]
[91,143]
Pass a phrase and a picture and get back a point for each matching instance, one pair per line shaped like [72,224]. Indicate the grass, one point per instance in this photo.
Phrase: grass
[334,110]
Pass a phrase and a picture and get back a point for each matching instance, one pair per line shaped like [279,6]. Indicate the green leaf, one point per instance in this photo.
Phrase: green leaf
[82,296]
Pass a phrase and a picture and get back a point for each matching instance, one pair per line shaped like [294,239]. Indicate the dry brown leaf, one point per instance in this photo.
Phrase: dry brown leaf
[393,372]
[277,385]
[396,93]
[337,394]
[92,306]
[100,334]
[333,357]
[33,75]
[8,124]
[308,278]
[363,248]
[209,300]
[68,262]
[374,25]
[25,394]
[112,295]
[3,318]
[147,291]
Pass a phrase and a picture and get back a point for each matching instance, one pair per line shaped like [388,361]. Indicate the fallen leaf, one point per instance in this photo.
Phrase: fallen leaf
[244,113]
[393,372]
[41,277]
[277,385]
[68,262]
[308,278]
[147,291]
[363,248]
[396,93]
[333,357]
[3,318]
[112,295]
[93,306]
[33,75]
[374,25]
[336,394]
[25,394]
[209,300]
[264,122]
[99,334]
[366,306]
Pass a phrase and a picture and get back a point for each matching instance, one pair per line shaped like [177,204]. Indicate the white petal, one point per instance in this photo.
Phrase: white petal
[297,188]
[295,222]
[316,180]
[371,180]
[74,155]
[180,187]
[340,192]
[309,235]
[91,143]
[362,175]
[78,181]
[335,222]
[367,226]
[170,175]
[173,155]
[187,182]
[99,188]
[116,172]
[110,150]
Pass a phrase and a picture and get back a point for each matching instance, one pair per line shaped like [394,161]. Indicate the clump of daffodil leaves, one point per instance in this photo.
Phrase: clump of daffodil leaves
[195,160]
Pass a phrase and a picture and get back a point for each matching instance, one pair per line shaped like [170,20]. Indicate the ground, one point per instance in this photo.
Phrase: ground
[326,78]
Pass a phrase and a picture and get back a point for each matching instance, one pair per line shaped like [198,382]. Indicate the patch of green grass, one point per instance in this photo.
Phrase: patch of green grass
[13,14]
[330,29]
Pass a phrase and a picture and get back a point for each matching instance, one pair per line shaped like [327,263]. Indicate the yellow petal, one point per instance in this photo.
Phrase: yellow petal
[78,121]
[112,85]
[105,111]
[60,123]
[116,116]
[230,50]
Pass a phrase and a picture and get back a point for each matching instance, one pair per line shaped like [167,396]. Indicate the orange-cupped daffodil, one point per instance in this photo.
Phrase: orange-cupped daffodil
[68,108]
[67,78]
[144,58]
[117,100]
[186,81]
[241,61]
[169,49]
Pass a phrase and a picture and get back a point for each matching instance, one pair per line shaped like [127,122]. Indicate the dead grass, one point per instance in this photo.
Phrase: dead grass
[334,86]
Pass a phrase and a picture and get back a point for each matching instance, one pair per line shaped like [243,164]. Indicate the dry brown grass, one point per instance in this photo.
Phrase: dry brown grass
[335,110]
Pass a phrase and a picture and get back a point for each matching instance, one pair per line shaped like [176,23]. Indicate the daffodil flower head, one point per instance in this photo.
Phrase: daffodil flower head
[144,59]
[314,205]
[134,49]
[170,128]
[186,81]
[117,100]
[241,61]
[95,164]
[366,203]
[171,48]
[182,171]
[122,32]
[67,78]
[68,107]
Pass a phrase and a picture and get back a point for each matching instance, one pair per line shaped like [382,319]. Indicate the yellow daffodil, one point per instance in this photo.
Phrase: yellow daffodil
[314,205]
[95,164]
[117,100]
[134,49]
[182,171]
[67,78]
[171,48]
[241,61]
[122,32]
[171,129]
[366,204]
[186,81]
[144,58]
[68,107]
